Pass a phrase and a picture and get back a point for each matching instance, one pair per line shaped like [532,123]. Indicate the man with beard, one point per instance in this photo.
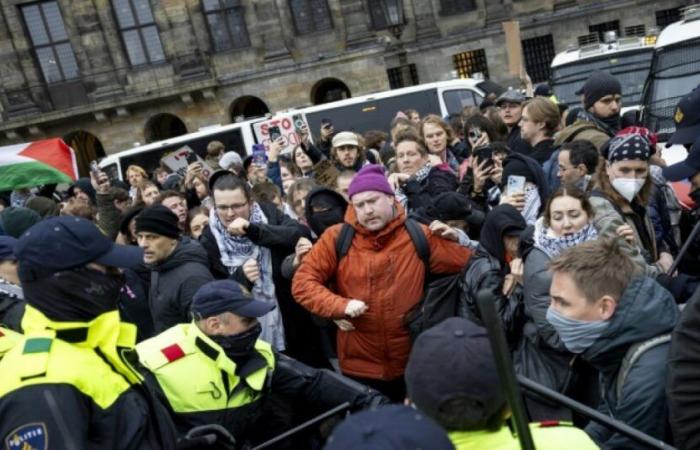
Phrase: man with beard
[599,120]
[347,153]
[217,370]
[70,380]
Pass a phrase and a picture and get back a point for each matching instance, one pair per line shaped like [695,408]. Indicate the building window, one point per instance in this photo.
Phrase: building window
[666,17]
[310,16]
[226,22]
[635,30]
[448,7]
[601,28]
[538,53]
[376,14]
[50,41]
[471,62]
[139,31]
[402,76]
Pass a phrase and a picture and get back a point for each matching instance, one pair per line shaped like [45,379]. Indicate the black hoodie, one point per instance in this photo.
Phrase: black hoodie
[334,205]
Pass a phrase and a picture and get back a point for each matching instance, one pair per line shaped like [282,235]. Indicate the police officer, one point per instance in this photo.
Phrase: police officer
[216,370]
[68,383]
[451,376]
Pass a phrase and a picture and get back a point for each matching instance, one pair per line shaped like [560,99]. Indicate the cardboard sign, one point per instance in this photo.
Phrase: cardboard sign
[288,125]
[177,162]
[514,47]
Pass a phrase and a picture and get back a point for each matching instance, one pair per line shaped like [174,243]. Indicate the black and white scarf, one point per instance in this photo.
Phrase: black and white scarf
[553,245]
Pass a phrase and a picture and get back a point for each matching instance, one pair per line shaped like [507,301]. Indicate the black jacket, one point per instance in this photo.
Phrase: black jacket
[175,281]
[682,387]
[515,142]
[422,193]
[645,310]
[11,306]
[542,151]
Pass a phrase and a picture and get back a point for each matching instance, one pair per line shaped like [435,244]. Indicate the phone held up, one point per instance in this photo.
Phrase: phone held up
[484,153]
[275,133]
[516,184]
[94,168]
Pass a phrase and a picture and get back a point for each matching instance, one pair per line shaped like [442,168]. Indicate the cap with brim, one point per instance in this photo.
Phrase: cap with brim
[217,297]
[345,138]
[686,168]
[123,256]
[684,135]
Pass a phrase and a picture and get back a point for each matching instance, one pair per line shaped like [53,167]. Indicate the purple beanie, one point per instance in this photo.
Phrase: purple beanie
[370,178]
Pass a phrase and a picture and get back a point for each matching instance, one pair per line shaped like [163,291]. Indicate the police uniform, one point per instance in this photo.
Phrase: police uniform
[202,385]
[551,435]
[69,385]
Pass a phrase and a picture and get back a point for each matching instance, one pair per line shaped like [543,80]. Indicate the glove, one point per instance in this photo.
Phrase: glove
[211,436]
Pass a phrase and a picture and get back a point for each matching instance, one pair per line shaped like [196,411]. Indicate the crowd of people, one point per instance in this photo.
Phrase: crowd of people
[221,310]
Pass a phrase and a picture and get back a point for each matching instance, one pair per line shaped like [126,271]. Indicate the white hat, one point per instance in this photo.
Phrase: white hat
[229,159]
[345,138]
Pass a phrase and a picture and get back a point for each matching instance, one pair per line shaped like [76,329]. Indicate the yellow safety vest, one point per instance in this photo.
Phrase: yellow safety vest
[41,356]
[546,436]
[188,366]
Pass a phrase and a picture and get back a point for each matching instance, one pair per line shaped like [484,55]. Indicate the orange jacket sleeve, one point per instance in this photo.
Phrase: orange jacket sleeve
[309,285]
[446,256]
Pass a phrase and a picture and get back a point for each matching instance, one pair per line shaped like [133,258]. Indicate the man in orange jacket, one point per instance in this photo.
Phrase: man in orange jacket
[375,284]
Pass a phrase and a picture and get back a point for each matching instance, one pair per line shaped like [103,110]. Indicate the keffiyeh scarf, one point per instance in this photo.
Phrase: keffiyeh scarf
[553,245]
[236,250]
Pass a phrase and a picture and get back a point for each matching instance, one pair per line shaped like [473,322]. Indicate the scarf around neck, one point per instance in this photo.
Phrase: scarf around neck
[554,245]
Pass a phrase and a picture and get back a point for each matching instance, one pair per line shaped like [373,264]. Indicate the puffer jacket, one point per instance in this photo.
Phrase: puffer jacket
[645,310]
[608,219]
[174,283]
[382,269]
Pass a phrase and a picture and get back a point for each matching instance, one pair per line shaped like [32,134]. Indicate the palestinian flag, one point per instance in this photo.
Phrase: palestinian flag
[36,163]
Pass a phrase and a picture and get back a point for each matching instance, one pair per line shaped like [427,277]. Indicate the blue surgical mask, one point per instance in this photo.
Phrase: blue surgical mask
[577,335]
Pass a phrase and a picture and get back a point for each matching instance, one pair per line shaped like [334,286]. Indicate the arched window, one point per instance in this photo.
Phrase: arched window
[329,90]
[87,148]
[247,107]
[163,126]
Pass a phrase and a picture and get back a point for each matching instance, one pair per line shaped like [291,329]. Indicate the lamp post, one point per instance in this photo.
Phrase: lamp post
[396,22]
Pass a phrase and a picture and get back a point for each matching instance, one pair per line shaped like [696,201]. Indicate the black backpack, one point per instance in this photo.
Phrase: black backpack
[441,293]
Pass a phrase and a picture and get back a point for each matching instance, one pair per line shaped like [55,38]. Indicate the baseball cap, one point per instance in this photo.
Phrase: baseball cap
[510,96]
[217,297]
[345,138]
[454,360]
[686,168]
[686,117]
[392,427]
[66,242]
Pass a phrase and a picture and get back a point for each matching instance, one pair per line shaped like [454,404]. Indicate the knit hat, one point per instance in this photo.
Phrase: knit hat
[230,160]
[85,185]
[159,220]
[597,86]
[16,220]
[44,206]
[630,147]
[370,178]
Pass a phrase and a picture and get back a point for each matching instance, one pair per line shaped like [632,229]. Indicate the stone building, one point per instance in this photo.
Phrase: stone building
[106,74]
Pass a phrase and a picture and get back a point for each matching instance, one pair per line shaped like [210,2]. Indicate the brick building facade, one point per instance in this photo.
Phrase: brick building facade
[106,74]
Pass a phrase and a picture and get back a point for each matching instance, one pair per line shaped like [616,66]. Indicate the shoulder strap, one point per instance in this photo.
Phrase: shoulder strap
[632,356]
[344,241]
[420,242]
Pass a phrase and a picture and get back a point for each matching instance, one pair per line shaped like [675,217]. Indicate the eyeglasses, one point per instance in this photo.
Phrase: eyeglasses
[236,207]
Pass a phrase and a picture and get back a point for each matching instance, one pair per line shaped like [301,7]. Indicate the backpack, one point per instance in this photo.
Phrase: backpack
[441,293]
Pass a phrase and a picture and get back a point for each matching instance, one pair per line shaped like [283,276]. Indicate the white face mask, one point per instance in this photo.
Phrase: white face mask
[628,187]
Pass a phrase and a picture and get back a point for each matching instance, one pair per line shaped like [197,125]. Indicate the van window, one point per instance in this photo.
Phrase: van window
[111,171]
[375,114]
[457,99]
[150,160]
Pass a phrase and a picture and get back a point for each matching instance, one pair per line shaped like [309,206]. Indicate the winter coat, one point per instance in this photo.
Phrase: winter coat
[174,283]
[542,151]
[488,268]
[11,306]
[582,130]
[382,269]
[280,235]
[515,142]
[682,387]
[609,217]
[645,310]
[422,193]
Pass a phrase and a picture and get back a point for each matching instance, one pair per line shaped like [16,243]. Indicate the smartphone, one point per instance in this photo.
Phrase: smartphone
[94,168]
[275,133]
[516,184]
[484,153]
[474,134]
[298,122]
[191,158]
[259,156]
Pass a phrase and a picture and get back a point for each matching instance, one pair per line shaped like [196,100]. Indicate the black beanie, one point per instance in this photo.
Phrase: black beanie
[159,220]
[598,86]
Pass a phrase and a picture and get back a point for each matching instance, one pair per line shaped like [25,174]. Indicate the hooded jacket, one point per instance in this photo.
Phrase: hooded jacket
[382,269]
[645,310]
[174,283]
[535,175]
[488,267]
[85,185]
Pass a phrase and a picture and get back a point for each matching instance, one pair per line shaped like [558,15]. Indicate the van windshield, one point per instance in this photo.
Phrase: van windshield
[675,72]
[630,68]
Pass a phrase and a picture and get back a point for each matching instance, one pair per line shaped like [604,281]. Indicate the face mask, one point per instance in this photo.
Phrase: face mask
[628,187]
[695,197]
[577,335]
[319,221]
[77,295]
[239,346]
